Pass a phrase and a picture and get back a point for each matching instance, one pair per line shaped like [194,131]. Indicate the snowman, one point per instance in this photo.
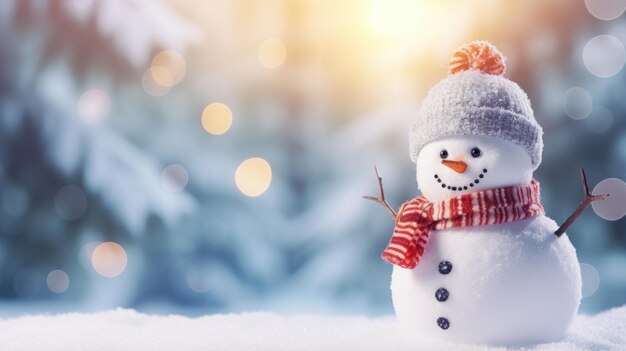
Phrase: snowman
[475,258]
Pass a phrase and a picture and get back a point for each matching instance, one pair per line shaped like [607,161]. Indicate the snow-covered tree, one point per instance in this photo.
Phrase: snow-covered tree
[63,63]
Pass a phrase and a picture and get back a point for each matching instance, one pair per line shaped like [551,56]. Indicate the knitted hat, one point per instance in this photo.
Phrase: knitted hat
[475,99]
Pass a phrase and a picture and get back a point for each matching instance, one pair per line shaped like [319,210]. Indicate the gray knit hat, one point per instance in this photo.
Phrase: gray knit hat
[475,99]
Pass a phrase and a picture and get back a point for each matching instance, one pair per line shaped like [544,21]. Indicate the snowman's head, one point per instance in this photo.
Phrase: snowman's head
[452,166]
[475,129]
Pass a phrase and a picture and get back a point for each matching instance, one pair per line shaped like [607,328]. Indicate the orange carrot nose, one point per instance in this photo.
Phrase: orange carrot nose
[457,166]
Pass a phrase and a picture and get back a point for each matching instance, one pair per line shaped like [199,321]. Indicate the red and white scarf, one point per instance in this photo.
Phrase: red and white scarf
[417,217]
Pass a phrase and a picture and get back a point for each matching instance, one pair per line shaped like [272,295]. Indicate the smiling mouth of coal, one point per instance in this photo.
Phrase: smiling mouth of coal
[461,187]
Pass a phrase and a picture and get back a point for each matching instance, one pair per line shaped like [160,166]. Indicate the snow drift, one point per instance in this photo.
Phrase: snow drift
[123,329]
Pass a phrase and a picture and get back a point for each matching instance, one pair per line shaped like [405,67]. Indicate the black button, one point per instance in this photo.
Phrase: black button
[445,267]
[442,294]
[443,323]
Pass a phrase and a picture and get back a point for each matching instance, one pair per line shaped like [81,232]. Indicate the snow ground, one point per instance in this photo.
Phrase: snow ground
[123,329]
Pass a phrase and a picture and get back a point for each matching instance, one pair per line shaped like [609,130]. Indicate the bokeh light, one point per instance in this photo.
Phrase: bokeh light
[253,176]
[600,120]
[590,278]
[94,105]
[70,202]
[168,68]
[272,53]
[197,281]
[109,259]
[614,207]
[174,178]
[58,281]
[151,86]
[606,10]
[162,76]
[604,56]
[577,103]
[217,118]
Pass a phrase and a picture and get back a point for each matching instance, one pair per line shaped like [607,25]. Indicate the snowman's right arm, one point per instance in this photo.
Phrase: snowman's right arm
[381,199]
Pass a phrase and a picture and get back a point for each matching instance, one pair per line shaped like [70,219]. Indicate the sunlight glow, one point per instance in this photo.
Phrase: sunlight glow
[272,53]
[395,16]
[415,20]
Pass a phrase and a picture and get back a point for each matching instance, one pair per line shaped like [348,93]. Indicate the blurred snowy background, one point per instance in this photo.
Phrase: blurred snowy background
[197,156]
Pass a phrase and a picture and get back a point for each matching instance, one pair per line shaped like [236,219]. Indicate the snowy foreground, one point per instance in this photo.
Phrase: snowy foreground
[129,330]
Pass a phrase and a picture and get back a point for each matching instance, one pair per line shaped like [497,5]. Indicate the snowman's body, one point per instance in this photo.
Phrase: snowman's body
[505,284]
[509,283]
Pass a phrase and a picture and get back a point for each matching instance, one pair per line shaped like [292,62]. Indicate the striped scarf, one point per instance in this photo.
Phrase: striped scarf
[416,218]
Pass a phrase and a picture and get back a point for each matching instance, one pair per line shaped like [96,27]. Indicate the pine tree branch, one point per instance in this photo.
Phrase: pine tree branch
[381,199]
[589,198]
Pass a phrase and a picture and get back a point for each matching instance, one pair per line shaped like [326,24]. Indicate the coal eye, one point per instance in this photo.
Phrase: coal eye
[476,152]
[443,154]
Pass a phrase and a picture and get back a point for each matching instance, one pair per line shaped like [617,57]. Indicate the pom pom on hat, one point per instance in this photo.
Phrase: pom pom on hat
[478,55]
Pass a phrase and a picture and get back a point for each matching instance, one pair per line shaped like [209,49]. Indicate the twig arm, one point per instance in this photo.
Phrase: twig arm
[381,199]
[589,198]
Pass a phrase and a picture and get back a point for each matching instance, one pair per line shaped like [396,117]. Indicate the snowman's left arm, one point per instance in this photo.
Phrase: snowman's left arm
[589,198]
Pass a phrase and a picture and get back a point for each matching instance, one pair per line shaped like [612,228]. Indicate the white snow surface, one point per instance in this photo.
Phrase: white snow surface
[123,329]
